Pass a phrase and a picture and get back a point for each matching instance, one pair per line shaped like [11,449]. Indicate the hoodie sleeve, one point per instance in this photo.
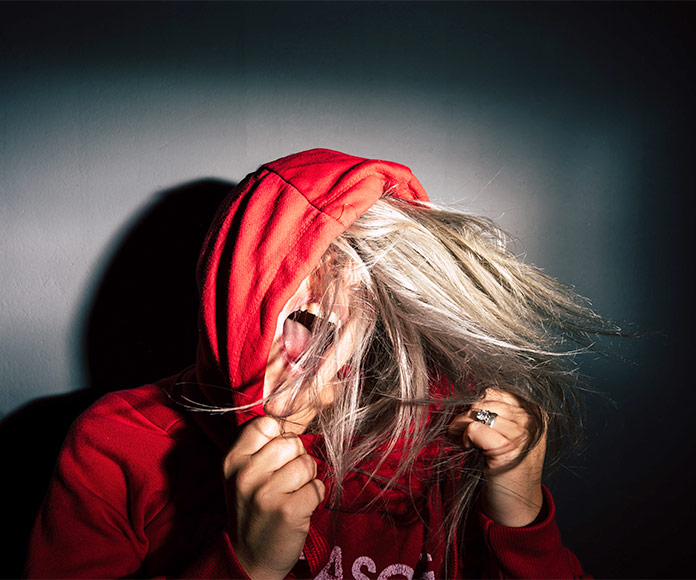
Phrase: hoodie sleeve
[533,551]
[108,512]
[218,562]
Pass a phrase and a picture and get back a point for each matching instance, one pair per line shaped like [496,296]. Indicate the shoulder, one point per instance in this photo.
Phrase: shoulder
[128,435]
[144,411]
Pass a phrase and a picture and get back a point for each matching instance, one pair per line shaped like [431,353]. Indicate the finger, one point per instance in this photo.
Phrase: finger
[261,466]
[509,429]
[310,495]
[296,505]
[256,434]
[510,412]
[256,473]
[506,404]
[490,441]
[253,437]
[493,395]
[295,509]
[294,474]
[277,453]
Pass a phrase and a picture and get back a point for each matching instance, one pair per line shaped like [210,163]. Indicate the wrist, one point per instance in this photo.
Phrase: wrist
[512,507]
[260,572]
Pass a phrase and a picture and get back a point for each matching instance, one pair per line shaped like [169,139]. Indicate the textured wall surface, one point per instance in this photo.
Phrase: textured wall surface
[571,124]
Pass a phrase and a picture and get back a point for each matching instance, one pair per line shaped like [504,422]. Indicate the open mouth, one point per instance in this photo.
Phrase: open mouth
[297,331]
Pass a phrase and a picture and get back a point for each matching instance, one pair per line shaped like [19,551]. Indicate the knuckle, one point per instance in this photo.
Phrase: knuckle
[229,465]
[267,426]
[261,499]
[308,464]
[473,428]
[244,479]
[233,462]
[293,442]
[320,489]
[288,445]
[289,511]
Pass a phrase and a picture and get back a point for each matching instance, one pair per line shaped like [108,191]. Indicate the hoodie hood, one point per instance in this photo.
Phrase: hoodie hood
[267,237]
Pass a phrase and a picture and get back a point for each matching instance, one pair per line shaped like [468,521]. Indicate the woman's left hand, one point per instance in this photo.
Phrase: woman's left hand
[511,496]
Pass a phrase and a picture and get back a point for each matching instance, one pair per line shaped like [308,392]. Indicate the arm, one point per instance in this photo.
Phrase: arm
[516,513]
[109,511]
[272,492]
[84,528]
[533,551]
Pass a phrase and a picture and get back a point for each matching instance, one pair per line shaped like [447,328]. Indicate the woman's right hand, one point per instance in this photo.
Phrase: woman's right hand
[271,493]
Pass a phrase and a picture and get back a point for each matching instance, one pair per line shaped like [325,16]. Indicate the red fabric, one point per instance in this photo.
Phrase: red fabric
[138,490]
[266,239]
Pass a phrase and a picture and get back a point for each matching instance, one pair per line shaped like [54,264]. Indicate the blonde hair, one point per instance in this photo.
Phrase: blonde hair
[434,297]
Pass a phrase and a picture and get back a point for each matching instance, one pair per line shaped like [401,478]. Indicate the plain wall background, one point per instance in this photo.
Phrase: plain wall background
[570,124]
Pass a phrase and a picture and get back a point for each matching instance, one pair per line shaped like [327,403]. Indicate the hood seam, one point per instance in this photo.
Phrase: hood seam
[350,183]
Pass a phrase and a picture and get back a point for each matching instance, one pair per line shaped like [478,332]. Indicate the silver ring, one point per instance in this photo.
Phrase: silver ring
[486,417]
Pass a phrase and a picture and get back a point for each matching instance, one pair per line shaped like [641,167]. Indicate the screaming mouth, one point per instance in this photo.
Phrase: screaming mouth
[297,331]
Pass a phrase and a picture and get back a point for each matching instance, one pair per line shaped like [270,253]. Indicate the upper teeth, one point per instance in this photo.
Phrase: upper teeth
[312,308]
[315,309]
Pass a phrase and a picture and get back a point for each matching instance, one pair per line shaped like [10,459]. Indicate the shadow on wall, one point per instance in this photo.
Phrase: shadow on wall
[141,326]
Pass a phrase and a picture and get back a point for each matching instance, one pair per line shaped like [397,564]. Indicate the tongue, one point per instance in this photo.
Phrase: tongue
[295,338]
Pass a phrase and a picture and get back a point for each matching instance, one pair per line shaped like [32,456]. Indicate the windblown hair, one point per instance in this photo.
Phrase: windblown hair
[438,310]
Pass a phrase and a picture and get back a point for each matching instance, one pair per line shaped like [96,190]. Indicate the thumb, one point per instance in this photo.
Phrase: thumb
[254,435]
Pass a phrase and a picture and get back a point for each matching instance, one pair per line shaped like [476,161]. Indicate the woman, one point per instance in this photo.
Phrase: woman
[376,383]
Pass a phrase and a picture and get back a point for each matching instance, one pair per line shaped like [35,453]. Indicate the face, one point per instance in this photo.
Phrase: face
[292,336]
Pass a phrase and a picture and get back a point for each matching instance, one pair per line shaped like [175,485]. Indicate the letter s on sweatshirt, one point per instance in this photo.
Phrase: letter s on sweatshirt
[364,564]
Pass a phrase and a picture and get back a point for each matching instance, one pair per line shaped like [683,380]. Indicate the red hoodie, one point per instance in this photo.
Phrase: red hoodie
[138,491]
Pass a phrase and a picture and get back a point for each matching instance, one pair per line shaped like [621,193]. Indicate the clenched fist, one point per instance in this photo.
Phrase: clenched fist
[512,496]
[271,493]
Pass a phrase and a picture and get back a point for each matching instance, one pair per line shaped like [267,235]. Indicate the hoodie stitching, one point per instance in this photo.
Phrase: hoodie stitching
[319,209]
[258,299]
[348,185]
[162,429]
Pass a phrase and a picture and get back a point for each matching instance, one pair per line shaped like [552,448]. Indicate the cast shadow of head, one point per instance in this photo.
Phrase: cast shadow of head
[141,326]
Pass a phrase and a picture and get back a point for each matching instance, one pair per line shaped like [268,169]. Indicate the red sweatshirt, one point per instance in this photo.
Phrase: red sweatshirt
[138,489]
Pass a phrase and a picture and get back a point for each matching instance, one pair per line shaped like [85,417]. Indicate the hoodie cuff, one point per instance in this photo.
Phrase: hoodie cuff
[219,561]
[533,551]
